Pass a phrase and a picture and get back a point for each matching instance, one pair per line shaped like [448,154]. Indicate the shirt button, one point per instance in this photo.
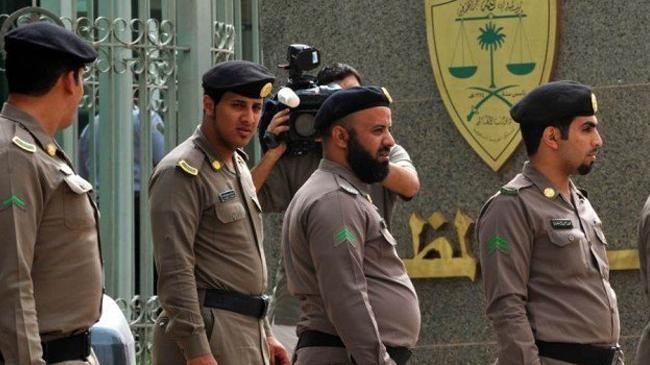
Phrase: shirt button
[571,238]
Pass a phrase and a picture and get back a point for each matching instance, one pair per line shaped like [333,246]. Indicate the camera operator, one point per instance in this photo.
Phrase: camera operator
[279,175]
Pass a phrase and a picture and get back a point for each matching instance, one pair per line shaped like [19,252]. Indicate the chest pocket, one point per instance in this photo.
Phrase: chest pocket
[570,258]
[229,212]
[78,211]
[563,238]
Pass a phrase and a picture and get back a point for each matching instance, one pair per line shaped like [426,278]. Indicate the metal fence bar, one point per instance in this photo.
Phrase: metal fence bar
[146,155]
[171,97]
[116,159]
[194,25]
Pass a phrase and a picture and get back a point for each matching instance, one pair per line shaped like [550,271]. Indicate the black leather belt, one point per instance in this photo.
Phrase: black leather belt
[312,338]
[580,354]
[71,348]
[249,305]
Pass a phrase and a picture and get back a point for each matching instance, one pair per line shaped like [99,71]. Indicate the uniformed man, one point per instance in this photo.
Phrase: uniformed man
[279,175]
[207,231]
[340,257]
[50,266]
[542,246]
[643,348]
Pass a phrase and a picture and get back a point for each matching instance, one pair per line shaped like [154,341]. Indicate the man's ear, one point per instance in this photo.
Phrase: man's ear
[551,137]
[340,136]
[70,81]
[208,105]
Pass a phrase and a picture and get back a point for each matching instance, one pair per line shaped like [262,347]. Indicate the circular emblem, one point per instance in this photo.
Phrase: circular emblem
[266,90]
[594,103]
[51,149]
[549,192]
[216,165]
[387,95]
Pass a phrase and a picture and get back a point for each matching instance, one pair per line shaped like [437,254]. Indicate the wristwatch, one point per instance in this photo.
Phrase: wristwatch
[271,139]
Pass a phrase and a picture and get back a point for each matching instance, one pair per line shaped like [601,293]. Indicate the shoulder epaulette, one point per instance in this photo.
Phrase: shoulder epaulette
[513,187]
[347,187]
[24,145]
[187,167]
[509,190]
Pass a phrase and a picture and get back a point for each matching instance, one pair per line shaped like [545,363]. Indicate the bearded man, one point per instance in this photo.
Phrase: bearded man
[340,257]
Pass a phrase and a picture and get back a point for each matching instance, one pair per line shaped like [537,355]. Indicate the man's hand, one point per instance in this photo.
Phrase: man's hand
[206,359]
[277,352]
[277,126]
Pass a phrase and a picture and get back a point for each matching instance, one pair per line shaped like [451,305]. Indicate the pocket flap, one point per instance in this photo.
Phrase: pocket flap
[563,238]
[230,212]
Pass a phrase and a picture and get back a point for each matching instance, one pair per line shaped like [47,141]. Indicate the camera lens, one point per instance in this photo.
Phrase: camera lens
[304,125]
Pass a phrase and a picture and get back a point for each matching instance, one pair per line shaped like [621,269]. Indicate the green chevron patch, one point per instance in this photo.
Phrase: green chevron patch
[498,243]
[13,200]
[345,235]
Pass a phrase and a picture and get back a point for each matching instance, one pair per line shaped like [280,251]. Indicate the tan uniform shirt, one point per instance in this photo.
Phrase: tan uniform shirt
[545,269]
[643,349]
[286,177]
[50,266]
[207,232]
[341,263]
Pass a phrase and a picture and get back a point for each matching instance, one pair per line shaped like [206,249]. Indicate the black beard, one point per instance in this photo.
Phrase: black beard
[366,167]
[584,168]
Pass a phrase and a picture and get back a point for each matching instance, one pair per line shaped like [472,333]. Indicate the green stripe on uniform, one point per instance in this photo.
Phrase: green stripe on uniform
[15,200]
[345,235]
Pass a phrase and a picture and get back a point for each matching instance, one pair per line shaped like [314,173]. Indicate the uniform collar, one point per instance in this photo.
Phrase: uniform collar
[30,123]
[544,185]
[201,141]
[345,173]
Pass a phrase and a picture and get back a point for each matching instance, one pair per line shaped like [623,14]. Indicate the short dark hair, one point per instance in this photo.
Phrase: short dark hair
[215,95]
[36,75]
[336,72]
[532,133]
[327,133]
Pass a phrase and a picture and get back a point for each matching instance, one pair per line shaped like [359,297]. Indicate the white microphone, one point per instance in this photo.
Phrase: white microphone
[288,97]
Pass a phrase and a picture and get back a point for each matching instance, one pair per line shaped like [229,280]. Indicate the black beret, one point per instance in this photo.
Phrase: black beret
[242,77]
[348,101]
[555,101]
[49,39]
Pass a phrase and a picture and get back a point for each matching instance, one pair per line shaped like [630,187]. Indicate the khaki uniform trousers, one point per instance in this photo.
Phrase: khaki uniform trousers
[235,339]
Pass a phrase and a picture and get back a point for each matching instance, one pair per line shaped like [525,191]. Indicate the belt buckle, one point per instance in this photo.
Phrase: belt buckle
[265,305]
[616,353]
[86,343]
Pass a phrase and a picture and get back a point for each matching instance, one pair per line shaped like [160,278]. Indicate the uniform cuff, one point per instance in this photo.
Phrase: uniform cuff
[267,327]
[195,345]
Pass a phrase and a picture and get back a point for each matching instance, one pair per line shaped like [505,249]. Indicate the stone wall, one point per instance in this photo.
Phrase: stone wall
[600,43]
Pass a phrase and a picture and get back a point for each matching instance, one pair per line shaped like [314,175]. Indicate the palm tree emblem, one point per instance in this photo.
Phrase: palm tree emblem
[491,38]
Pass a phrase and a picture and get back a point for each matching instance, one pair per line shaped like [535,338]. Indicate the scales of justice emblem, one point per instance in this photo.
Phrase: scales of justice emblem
[486,55]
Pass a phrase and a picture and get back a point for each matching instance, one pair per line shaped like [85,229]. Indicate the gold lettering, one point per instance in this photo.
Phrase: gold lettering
[438,259]
[446,263]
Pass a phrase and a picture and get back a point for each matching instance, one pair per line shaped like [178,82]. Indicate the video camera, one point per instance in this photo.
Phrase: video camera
[303,96]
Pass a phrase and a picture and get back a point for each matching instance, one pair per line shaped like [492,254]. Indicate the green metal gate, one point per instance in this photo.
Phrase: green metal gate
[151,54]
